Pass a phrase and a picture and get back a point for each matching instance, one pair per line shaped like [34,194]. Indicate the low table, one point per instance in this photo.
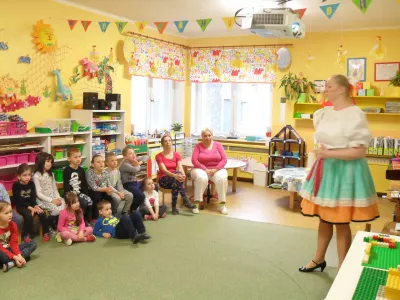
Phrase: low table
[292,180]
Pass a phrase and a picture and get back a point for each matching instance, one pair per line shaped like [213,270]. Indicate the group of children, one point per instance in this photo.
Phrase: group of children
[111,200]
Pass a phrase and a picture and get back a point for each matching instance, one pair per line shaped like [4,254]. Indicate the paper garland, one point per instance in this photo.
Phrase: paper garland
[229,22]
[300,12]
[181,25]
[86,24]
[120,25]
[203,23]
[362,5]
[161,26]
[329,10]
[103,26]
[72,23]
[141,26]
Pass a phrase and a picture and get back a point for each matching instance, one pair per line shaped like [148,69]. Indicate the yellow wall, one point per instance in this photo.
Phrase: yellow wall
[324,48]
[17,19]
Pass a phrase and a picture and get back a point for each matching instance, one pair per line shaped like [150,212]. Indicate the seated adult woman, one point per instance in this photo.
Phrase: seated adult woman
[171,175]
[209,160]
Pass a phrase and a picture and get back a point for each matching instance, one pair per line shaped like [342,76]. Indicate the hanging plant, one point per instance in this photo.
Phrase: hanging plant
[295,85]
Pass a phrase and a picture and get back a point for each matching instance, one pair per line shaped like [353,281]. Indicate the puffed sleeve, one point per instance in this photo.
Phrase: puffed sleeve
[317,117]
[358,133]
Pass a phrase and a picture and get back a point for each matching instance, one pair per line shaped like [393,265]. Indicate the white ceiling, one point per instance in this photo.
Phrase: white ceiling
[381,14]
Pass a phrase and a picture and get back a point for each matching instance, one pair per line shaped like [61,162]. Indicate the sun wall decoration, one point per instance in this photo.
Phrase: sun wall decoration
[44,37]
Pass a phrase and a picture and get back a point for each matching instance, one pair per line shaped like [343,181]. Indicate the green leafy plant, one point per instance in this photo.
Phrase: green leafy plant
[295,85]
[176,127]
[395,81]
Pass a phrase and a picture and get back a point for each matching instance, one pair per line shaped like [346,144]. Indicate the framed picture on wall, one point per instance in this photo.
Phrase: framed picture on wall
[386,70]
[357,68]
[319,86]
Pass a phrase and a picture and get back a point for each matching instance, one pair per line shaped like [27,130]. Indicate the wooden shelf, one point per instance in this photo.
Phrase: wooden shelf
[69,144]
[66,159]
[106,134]
[377,97]
[21,148]
[15,166]
[314,104]
[378,156]
[302,119]
[106,121]
[387,114]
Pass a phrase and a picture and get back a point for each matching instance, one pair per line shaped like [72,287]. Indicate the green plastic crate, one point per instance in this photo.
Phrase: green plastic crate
[138,148]
[58,174]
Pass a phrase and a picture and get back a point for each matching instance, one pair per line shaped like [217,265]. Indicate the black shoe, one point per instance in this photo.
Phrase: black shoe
[146,236]
[137,238]
[175,211]
[321,265]
[188,204]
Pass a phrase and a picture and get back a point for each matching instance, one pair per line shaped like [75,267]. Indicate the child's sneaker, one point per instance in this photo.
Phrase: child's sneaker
[148,217]
[27,239]
[53,232]
[58,238]
[138,237]
[68,242]
[46,238]
[90,238]
[8,266]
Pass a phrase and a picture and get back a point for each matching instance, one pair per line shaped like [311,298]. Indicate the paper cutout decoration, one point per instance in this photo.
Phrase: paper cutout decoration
[90,68]
[341,59]
[300,12]
[310,58]
[63,92]
[181,25]
[141,26]
[161,26]
[104,26]
[94,55]
[362,5]
[329,10]
[75,78]
[121,25]
[23,87]
[46,92]
[44,37]
[229,22]
[3,46]
[24,60]
[72,23]
[203,23]
[86,24]
[379,50]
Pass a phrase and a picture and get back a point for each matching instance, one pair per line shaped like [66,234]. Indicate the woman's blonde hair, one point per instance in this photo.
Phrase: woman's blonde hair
[205,130]
[344,82]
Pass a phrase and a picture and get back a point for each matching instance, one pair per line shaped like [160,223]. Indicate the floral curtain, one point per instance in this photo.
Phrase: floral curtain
[250,65]
[155,59]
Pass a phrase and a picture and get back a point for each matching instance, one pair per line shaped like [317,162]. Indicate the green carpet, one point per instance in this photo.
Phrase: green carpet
[188,257]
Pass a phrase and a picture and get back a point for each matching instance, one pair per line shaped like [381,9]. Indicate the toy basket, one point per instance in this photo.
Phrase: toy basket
[17,128]
[32,156]
[3,161]
[11,159]
[8,181]
[22,158]
[4,128]
[58,174]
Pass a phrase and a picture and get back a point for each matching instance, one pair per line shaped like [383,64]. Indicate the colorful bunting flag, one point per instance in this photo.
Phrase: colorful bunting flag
[86,24]
[141,26]
[180,25]
[203,23]
[72,23]
[103,26]
[229,22]
[300,12]
[121,25]
[362,5]
[329,10]
[161,26]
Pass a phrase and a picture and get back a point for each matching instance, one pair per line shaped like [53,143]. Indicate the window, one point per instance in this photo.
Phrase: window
[242,108]
[156,103]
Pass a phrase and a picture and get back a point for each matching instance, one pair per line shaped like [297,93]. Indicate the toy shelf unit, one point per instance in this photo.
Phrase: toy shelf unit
[107,130]
[286,150]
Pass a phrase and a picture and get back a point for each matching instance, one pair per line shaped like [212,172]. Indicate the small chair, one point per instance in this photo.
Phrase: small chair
[166,191]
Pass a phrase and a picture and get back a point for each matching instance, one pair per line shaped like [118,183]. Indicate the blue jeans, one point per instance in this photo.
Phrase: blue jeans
[17,219]
[138,196]
[26,251]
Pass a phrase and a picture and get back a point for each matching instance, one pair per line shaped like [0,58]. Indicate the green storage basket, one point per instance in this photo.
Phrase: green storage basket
[58,175]
[138,148]
[85,168]
[43,130]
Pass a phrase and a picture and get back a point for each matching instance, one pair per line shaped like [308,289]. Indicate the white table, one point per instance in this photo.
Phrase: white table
[234,164]
[347,279]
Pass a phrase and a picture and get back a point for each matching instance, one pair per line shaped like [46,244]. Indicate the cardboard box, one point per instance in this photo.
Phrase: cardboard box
[361,92]
[359,85]
[366,85]
[370,92]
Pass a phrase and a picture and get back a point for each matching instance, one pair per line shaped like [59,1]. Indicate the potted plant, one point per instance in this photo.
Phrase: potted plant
[296,87]
[395,81]
[177,127]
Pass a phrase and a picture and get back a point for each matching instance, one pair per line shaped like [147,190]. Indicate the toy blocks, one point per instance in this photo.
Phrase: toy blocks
[393,284]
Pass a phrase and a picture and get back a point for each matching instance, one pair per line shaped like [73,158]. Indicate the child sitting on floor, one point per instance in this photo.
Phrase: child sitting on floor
[71,225]
[48,197]
[5,197]
[151,209]
[24,194]
[10,253]
[108,226]
[121,198]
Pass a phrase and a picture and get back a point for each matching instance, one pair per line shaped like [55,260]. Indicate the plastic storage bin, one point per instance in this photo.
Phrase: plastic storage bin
[58,174]
[3,161]
[32,156]
[8,181]
[18,128]
[22,158]
[4,129]
[11,159]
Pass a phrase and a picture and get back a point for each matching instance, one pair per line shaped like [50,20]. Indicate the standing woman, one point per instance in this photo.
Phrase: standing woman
[171,175]
[209,160]
[339,188]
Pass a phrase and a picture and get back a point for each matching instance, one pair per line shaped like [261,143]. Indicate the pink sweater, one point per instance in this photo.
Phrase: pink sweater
[170,164]
[66,221]
[215,158]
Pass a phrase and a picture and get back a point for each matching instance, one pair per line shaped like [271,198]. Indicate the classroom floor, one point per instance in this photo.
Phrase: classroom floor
[272,206]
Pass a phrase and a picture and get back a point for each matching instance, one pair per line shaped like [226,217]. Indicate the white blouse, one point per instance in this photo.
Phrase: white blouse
[346,128]
[46,187]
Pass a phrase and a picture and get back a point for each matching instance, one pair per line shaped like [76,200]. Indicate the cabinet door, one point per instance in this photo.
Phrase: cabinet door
[378,172]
